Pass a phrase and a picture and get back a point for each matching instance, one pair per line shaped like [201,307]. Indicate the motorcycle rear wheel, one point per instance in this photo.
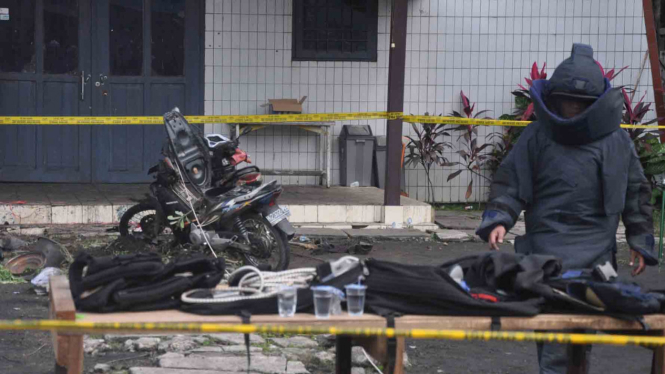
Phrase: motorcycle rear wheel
[269,245]
[141,221]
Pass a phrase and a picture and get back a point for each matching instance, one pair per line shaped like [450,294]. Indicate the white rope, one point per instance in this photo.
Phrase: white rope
[255,285]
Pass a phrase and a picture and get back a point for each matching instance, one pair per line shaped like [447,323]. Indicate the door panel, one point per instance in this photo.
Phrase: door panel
[17,143]
[146,73]
[135,50]
[51,40]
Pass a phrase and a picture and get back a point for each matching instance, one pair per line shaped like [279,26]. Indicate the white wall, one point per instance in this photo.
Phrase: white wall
[483,47]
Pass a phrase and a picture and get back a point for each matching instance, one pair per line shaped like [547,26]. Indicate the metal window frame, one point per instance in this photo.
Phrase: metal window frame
[298,54]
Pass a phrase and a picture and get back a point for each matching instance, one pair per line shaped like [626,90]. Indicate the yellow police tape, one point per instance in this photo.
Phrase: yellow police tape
[272,118]
[87,327]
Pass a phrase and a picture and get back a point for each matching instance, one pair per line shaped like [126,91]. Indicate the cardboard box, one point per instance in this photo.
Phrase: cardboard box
[284,106]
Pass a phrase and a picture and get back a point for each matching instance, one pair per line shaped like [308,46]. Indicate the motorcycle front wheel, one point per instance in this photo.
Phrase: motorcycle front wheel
[269,245]
[141,221]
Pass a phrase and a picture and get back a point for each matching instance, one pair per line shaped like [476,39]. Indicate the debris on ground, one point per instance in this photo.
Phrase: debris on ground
[304,245]
[12,243]
[26,263]
[41,281]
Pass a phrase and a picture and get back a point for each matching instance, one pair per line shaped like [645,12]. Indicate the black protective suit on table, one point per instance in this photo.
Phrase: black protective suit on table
[574,178]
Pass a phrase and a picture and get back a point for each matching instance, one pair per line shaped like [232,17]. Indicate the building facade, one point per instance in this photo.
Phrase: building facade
[225,57]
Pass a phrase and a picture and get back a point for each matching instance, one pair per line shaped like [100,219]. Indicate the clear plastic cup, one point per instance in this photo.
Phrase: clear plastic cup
[287,300]
[323,301]
[355,299]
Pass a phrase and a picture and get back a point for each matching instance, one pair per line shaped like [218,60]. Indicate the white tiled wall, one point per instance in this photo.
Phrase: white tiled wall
[482,47]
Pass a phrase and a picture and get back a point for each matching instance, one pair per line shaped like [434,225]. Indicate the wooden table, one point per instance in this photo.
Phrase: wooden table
[69,347]
[325,132]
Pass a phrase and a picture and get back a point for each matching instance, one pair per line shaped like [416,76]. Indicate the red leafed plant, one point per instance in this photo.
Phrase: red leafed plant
[427,148]
[470,151]
[610,74]
[523,103]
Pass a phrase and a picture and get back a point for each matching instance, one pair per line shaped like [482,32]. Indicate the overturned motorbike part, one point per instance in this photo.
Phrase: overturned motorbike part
[189,148]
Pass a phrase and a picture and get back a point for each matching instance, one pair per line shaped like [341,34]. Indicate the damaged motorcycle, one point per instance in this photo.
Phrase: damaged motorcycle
[202,198]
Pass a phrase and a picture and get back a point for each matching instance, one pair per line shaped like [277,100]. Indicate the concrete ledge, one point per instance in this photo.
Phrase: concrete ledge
[387,234]
[321,233]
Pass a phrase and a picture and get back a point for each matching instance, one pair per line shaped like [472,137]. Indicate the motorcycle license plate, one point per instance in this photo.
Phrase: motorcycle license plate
[278,215]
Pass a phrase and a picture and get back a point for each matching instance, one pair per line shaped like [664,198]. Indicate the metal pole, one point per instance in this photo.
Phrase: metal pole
[662,224]
[654,60]
[395,100]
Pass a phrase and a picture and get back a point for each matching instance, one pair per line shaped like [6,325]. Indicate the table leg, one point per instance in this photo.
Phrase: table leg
[343,350]
[399,357]
[658,362]
[577,359]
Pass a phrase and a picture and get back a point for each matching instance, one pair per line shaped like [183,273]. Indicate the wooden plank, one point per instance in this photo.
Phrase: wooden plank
[68,349]
[540,322]
[61,301]
[367,320]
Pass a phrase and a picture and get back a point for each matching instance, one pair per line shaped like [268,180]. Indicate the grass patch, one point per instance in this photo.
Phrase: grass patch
[7,277]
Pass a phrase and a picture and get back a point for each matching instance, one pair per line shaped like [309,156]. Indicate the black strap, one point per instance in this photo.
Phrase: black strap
[496,323]
[246,316]
[392,346]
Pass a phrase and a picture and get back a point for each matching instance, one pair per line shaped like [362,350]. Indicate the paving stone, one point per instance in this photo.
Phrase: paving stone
[325,357]
[178,344]
[122,338]
[145,370]
[386,234]
[357,371]
[260,364]
[147,344]
[207,349]
[102,368]
[358,357]
[295,342]
[240,349]
[171,355]
[296,367]
[91,345]
[237,339]
[296,353]
[452,236]
[325,341]
[130,345]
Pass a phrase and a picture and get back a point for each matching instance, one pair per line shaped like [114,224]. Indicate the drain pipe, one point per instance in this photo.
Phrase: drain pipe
[654,59]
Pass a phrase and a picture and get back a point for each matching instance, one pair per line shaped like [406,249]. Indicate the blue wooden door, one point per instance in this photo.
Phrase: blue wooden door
[101,58]
[146,60]
[44,60]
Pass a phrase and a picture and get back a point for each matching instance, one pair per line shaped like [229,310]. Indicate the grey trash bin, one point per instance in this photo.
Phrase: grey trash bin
[356,155]
[380,159]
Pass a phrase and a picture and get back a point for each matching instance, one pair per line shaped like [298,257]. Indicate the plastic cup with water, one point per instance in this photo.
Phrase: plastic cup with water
[355,299]
[287,300]
[323,301]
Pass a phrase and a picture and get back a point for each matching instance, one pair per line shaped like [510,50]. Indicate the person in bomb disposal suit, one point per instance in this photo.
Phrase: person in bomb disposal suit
[575,173]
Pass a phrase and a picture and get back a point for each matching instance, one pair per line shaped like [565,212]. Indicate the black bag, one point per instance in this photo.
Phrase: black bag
[429,290]
[139,282]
